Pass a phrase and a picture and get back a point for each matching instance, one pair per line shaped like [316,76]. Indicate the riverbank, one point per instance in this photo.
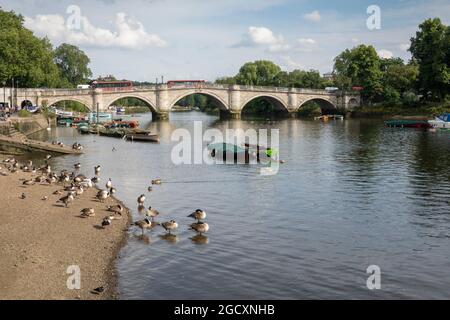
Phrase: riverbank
[422,112]
[40,239]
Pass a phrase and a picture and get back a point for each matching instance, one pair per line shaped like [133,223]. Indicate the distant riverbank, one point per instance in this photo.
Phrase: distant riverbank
[426,111]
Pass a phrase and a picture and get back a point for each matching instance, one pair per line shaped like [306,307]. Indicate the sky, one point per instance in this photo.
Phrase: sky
[206,39]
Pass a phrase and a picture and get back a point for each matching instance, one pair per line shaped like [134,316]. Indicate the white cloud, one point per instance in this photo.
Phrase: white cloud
[385,54]
[306,44]
[313,16]
[262,36]
[291,63]
[129,33]
[404,46]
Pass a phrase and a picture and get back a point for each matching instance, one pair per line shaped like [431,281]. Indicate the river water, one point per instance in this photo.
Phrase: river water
[352,194]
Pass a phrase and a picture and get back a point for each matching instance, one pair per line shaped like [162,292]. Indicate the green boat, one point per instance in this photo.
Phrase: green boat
[229,152]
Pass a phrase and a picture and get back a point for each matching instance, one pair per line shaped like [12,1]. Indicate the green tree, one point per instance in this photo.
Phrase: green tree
[258,73]
[431,49]
[361,66]
[72,64]
[24,57]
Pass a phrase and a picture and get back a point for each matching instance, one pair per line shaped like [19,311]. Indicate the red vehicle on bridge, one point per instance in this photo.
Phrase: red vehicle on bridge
[112,85]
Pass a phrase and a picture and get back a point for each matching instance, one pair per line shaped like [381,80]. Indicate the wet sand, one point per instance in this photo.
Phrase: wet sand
[40,239]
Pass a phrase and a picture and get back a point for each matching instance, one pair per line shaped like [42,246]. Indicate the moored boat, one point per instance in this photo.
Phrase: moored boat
[441,122]
[141,135]
[419,124]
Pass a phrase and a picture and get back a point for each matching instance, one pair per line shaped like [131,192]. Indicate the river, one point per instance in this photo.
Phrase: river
[351,194]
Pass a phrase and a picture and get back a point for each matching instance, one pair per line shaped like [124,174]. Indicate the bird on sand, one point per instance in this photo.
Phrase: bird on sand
[116,209]
[200,227]
[28,182]
[170,225]
[66,199]
[106,222]
[102,195]
[198,214]
[23,196]
[87,212]
[108,184]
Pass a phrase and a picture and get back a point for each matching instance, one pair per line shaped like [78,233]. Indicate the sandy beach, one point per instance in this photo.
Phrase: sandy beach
[40,239]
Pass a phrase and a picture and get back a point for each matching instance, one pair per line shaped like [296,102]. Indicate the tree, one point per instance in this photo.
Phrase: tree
[259,73]
[72,64]
[360,66]
[430,48]
[23,56]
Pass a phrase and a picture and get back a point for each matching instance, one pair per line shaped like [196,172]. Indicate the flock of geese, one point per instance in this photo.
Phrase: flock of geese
[75,183]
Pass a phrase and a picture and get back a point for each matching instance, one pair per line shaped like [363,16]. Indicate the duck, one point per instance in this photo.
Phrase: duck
[170,225]
[200,227]
[66,199]
[87,212]
[198,214]
[141,199]
[156,181]
[79,191]
[143,224]
[116,209]
[102,195]
[153,213]
[79,178]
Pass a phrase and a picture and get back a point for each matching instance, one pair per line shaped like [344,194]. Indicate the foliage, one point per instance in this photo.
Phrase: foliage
[310,109]
[24,113]
[72,64]
[71,106]
[431,49]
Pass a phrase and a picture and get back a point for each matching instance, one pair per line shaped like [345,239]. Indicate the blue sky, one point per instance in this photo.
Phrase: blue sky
[206,39]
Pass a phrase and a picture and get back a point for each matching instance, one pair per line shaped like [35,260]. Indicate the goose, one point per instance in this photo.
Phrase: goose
[156,181]
[44,198]
[28,182]
[95,179]
[170,225]
[48,157]
[23,196]
[79,178]
[87,183]
[102,195]
[109,184]
[112,190]
[153,213]
[106,222]
[51,179]
[141,209]
[116,209]
[143,224]
[87,212]
[79,191]
[200,227]
[198,214]
[141,199]
[66,199]
[97,170]
[150,188]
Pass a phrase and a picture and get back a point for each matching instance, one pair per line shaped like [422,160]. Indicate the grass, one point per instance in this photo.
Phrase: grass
[24,114]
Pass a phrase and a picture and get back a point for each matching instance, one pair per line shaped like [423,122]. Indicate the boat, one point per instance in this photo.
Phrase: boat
[441,122]
[330,116]
[419,124]
[230,152]
[121,124]
[141,135]
[114,133]
[83,129]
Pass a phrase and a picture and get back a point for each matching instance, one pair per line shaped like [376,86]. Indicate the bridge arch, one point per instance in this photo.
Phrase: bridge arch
[325,104]
[277,102]
[50,102]
[221,104]
[146,100]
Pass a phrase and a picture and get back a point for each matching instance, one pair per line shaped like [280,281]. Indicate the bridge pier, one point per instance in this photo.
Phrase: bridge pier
[226,115]
[157,116]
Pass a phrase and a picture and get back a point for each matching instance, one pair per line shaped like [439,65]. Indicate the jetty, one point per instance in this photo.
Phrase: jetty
[23,143]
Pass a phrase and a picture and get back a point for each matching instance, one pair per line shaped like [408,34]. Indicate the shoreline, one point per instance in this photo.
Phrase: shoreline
[40,239]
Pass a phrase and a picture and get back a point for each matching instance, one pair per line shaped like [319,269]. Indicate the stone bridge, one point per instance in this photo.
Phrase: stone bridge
[231,99]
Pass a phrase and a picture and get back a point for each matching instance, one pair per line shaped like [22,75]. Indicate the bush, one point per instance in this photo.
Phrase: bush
[310,109]
[410,98]
[24,113]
